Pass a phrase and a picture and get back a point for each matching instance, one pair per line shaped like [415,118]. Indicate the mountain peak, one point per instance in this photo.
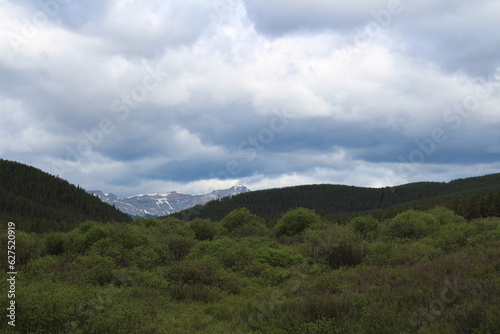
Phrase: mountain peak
[240,187]
[164,204]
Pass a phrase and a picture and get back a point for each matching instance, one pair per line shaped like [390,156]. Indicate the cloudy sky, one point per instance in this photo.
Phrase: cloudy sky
[151,96]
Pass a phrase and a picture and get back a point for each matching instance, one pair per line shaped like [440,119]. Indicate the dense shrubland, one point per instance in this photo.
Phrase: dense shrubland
[427,271]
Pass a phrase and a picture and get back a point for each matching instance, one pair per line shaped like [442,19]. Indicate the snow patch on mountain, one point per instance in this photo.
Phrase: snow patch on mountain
[145,205]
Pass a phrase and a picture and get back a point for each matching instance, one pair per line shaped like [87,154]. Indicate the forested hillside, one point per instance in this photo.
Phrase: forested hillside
[329,200]
[40,202]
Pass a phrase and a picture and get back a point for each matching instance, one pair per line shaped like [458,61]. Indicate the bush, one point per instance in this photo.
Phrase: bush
[337,246]
[381,253]
[203,229]
[49,307]
[451,236]
[296,221]
[28,247]
[366,226]
[109,248]
[241,223]
[278,257]
[411,225]
[93,269]
[195,292]
[48,267]
[180,245]
[204,272]
[129,236]
[95,233]
[144,257]
[228,252]
[446,216]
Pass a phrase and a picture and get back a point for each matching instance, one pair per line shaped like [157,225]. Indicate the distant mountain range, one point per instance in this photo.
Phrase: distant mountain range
[161,205]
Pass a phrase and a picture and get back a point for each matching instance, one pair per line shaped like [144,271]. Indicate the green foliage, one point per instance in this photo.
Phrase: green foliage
[204,272]
[366,226]
[49,307]
[180,245]
[411,225]
[241,223]
[295,221]
[203,229]
[143,257]
[129,236]
[93,269]
[28,247]
[54,243]
[418,272]
[382,253]
[335,246]
[451,235]
[49,267]
[93,234]
[228,252]
[278,257]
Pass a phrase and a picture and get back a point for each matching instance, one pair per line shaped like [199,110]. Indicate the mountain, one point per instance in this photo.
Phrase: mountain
[331,199]
[39,202]
[161,205]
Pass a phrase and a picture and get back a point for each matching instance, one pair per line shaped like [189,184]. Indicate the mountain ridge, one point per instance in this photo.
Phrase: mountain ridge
[333,199]
[154,205]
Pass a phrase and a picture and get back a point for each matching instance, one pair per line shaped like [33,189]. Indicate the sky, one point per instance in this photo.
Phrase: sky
[154,96]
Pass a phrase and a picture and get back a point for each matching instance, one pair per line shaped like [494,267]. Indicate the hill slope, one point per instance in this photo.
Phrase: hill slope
[328,199]
[40,202]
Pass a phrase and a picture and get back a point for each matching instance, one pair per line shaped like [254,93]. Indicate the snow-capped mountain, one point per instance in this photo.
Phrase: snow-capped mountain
[162,205]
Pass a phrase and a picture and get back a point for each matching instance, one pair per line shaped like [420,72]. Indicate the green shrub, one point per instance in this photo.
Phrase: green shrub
[451,236]
[213,249]
[50,307]
[296,221]
[241,223]
[29,246]
[411,225]
[205,272]
[366,226]
[195,292]
[48,267]
[93,269]
[278,257]
[180,245]
[337,246]
[143,257]
[94,233]
[382,253]
[446,216]
[413,253]
[203,229]
[109,248]
[228,252]
[129,236]
[135,277]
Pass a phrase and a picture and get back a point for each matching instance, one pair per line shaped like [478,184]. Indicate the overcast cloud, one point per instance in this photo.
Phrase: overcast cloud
[153,96]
